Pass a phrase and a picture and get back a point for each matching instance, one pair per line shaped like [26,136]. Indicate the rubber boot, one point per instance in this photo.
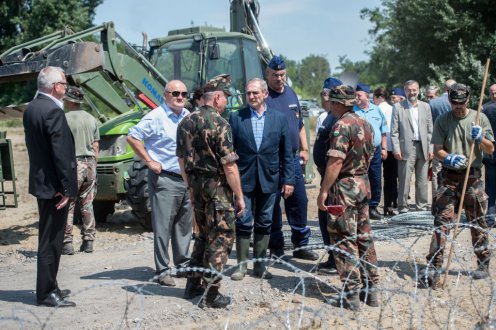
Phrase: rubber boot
[260,244]
[482,270]
[215,299]
[193,288]
[369,295]
[242,252]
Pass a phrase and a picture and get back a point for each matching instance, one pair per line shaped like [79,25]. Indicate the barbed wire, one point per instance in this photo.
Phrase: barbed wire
[298,297]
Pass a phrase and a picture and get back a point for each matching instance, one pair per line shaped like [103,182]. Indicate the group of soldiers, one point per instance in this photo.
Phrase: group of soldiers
[195,170]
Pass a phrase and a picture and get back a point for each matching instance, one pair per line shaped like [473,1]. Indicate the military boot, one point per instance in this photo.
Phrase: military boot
[68,249]
[242,252]
[86,246]
[482,270]
[430,278]
[215,299]
[193,288]
[260,244]
[369,295]
[349,299]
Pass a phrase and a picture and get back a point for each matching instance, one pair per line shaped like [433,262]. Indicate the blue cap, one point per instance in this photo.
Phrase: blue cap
[398,91]
[363,88]
[331,82]
[277,63]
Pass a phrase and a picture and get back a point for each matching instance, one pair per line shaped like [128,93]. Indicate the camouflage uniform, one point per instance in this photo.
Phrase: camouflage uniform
[454,135]
[84,128]
[204,141]
[352,141]
[86,175]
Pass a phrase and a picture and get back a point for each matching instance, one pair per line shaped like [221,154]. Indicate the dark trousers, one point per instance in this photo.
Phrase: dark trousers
[258,213]
[296,212]
[50,242]
[390,186]
[323,220]
[375,178]
[490,187]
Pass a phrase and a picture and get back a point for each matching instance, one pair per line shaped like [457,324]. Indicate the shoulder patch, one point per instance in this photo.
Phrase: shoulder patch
[335,133]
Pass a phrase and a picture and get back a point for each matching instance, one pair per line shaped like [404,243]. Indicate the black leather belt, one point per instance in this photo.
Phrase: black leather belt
[416,141]
[172,174]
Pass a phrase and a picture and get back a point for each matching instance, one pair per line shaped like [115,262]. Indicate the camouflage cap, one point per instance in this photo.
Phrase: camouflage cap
[458,93]
[74,94]
[343,94]
[221,83]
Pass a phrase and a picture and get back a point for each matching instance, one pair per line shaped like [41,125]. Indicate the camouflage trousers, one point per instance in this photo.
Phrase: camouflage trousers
[356,261]
[86,176]
[444,203]
[214,215]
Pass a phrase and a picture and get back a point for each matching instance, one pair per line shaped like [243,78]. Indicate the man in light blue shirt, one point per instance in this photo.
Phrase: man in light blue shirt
[373,114]
[153,139]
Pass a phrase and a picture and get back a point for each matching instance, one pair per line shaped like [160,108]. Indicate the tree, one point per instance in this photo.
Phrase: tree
[432,40]
[24,20]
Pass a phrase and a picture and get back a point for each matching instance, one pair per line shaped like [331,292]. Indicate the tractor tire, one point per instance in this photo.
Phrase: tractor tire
[137,193]
[102,209]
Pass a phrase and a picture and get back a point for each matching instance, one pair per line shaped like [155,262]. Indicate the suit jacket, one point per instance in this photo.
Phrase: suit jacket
[52,159]
[402,129]
[273,162]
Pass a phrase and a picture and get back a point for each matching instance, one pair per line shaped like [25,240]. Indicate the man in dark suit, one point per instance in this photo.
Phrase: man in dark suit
[52,178]
[261,140]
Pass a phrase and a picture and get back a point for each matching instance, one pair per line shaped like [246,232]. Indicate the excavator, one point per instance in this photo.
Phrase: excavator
[128,81]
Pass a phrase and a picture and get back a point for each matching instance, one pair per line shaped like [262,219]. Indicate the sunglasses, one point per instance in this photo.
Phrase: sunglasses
[177,93]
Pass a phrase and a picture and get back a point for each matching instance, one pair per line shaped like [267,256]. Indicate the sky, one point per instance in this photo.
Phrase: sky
[294,28]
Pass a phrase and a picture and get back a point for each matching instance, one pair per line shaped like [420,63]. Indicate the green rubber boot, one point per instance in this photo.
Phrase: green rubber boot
[260,244]
[242,252]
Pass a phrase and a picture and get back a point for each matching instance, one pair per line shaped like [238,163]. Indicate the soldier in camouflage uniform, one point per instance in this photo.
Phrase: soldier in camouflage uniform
[84,128]
[208,165]
[453,135]
[347,185]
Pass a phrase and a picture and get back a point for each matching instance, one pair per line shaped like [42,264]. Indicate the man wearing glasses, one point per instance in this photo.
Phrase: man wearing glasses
[52,179]
[153,139]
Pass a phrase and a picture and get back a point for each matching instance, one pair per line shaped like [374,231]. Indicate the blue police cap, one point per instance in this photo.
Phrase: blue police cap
[331,82]
[398,91]
[363,88]
[277,63]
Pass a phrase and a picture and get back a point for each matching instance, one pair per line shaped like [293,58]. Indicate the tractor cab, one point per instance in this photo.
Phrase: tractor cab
[195,55]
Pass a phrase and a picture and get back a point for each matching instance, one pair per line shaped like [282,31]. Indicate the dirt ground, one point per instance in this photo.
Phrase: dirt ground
[114,288]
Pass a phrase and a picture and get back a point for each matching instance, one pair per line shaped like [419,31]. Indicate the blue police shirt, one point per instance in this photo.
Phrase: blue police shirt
[287,103]
[439,106]
[376,118]
[158,130]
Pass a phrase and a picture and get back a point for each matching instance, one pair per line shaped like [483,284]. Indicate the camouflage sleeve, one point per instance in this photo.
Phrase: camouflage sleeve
[486,127]
[339,141]
[224,149]
[181,140]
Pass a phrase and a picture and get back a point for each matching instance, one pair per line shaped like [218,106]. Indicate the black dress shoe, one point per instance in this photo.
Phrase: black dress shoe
[63,293]
[374,214]
[54,300]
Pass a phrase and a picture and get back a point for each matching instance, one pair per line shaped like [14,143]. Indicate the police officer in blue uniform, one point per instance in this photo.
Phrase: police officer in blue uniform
[283,98]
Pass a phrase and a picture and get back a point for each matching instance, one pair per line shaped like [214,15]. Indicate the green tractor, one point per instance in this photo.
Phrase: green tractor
[129,81]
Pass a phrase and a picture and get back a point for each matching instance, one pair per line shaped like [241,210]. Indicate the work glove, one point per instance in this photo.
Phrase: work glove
[455,161]
[476,133]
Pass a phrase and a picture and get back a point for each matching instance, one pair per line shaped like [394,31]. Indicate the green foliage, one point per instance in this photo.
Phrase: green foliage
[308,75]
[24,20]
[431,41]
